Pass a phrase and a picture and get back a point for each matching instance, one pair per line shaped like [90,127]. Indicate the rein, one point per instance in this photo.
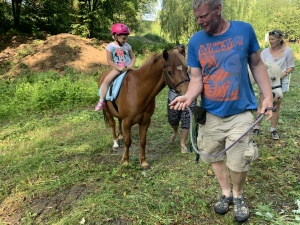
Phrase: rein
[259,118]
[171,86]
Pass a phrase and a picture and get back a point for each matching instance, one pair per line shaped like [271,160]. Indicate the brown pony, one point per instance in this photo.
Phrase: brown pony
[136,99]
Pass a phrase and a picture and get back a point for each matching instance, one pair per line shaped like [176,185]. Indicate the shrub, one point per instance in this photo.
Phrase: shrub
[42,92]
[295,48]
[155,38]
[142,45]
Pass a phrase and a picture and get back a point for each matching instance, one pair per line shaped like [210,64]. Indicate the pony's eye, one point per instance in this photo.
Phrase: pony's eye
[170,72]
[273,78]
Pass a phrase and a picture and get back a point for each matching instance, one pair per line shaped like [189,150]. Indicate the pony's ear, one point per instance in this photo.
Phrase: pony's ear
[165,54]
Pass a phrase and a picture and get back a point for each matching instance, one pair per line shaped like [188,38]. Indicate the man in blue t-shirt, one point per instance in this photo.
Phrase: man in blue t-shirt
[218,56]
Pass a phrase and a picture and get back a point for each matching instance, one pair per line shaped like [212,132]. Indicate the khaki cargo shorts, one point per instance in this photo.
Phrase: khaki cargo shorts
[218,133]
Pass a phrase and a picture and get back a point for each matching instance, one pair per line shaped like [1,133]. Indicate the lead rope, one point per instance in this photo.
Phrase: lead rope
[259,118]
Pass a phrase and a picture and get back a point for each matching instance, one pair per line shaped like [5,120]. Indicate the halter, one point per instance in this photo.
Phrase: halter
[170,84]
[277,86]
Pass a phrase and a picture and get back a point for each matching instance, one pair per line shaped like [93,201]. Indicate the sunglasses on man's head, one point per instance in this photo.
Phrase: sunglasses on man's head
[180,46]
[275,33]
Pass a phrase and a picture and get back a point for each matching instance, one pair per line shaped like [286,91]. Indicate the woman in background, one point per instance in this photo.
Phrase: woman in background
[177,116]
[281,55]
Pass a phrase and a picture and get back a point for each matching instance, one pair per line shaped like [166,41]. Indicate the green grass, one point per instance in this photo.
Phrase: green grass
[58,167]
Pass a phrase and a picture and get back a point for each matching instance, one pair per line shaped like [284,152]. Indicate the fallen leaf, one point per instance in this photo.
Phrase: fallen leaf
[209,172]
[82,221]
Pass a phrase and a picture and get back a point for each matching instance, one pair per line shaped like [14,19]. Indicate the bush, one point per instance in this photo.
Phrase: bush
[104,37]
[156,38]
[42,92]
[142,45]
[295,48]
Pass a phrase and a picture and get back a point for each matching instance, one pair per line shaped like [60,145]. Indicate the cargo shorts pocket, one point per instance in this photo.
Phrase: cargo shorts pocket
[251,154]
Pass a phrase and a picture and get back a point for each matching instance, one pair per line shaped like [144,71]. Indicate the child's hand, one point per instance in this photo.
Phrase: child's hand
[126,68]
[121,69]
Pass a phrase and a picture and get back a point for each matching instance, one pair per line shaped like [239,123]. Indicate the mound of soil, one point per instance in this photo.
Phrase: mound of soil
[59,52]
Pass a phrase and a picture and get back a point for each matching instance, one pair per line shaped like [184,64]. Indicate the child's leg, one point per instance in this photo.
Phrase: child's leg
[106,83]
[104,88]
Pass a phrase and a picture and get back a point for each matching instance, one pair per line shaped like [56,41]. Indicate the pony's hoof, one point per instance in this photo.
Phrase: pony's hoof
[116,146]
[120,138]
[144,165]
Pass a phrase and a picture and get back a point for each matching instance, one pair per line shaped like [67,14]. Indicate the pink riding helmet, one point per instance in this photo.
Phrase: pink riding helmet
[119,29]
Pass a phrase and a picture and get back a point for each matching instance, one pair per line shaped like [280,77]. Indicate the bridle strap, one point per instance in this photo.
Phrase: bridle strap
[278,86]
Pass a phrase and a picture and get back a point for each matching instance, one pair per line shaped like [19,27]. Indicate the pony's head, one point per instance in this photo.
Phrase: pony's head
[274,73]
[175,72]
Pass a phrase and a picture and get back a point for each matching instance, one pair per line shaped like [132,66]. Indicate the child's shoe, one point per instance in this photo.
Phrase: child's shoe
[100,106]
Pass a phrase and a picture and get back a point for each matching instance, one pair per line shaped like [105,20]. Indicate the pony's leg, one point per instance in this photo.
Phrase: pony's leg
[112,125]
[127,141]
[120,132]
[143,133]
[144,125]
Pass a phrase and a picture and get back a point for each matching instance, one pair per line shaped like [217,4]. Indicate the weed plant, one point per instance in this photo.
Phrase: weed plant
[58,167]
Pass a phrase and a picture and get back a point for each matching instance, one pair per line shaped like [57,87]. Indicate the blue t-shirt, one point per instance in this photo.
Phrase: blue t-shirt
[223,61]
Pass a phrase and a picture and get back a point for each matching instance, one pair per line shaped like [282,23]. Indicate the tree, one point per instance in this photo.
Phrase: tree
[52,16]
[283,15]
[264,15]
[16,8]
[238,9]
[5,16]
[177,20]
[98,16]
[287,20]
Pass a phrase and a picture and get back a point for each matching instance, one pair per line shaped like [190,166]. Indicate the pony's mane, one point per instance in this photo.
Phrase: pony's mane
[151,59]
[176,56]
[273,69]
[173,56]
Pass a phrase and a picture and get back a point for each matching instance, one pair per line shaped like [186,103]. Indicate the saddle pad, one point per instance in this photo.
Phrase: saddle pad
[114,88]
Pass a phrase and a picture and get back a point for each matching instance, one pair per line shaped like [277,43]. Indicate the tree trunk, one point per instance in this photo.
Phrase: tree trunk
[16,7]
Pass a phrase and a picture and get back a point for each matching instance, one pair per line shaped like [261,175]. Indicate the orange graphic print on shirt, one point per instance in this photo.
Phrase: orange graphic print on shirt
[221,69]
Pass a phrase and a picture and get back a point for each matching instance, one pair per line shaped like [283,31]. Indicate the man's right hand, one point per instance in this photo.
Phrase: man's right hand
[180,103]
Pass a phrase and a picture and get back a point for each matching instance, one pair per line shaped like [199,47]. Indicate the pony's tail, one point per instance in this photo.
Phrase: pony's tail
[105,118]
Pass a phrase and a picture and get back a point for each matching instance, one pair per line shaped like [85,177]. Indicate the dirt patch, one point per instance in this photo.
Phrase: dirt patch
[59,53]
[12,211]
